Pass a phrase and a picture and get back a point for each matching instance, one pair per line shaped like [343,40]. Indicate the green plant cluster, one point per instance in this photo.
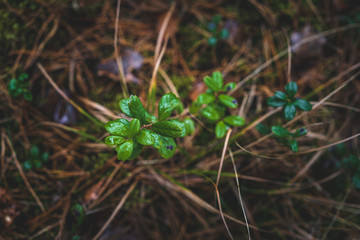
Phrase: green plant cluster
[215,33]
[214,102]
[288,101]
[144,129]
[20,86]
[35,158]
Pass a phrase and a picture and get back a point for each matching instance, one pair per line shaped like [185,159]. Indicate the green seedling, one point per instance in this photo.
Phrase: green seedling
[20,86]
[288,101]
[213,104]
[288,138]
[215,33]
[145,129]
[35,158]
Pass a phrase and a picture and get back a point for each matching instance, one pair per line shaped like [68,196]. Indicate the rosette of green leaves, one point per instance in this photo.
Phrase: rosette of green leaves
[288,138]
[288,101]
[214,102]
[35,158]
[20,86]
[145,129]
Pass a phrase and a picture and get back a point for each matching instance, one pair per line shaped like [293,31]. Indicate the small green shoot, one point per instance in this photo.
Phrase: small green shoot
[215,32]
[145,129]
[35,158]
[20,86]
[213,104]
[288,101]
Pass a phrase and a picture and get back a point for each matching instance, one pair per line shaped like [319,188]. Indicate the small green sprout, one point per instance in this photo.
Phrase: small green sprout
[145,129]
[215,33]
[35,158]
[289,101]
[20,86]
[288,138]
[214,102]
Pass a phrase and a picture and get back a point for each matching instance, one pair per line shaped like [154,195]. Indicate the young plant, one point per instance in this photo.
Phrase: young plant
[35,158]
[288,138]
[145,129]
[288,101]
[213,28]
[214,102]
[20,86]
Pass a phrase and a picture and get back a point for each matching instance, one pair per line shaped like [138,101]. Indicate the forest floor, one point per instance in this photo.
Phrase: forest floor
[60,83]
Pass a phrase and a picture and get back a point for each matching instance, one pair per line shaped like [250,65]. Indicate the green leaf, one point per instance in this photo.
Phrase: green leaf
[210,113]
[289,111]
[291,89]
[124,150]
[27,165]
[275,102]
[168,147]
[229,86]
[220,129]
[136,108]
[189,126]
[280,131]
[144,137]
[224,33]
[235,121]
[167,129]
[294,145]
[134,127]
[262,129]
[167,104]
[136,150]
[117,127]
[300,132]
[281,95]
[34,151]
[215,82]
[205,98]
[114,140]
[45,156]
[28,96]
[218,78]
[228,101]
[124,106]
[13,84]
[157,140]
[212,41]
[150,118]
[181,125]
[195,107]
[303,104]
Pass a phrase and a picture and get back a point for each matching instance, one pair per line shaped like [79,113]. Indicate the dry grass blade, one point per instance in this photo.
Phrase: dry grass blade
[239,193]
[159,51]
[117,56]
